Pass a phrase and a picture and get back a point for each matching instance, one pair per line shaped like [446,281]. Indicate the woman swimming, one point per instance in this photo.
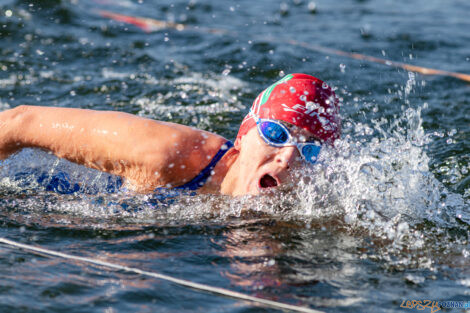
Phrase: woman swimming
[287,123]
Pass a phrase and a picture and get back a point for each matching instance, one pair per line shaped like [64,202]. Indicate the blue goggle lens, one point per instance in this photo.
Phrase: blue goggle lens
[311,152]
[274,132]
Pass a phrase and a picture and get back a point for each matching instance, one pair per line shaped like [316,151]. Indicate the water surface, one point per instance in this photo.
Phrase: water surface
[384,218]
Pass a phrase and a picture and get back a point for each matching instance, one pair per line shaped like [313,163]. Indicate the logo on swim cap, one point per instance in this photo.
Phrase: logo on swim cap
[301,100]
[267,92]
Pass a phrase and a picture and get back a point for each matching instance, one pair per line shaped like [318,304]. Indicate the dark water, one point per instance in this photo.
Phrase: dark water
[384,219]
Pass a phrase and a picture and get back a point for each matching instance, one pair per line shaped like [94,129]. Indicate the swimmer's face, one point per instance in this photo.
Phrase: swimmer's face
[263,166]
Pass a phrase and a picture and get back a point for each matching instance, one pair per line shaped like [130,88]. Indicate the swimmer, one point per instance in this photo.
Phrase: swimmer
[288,123]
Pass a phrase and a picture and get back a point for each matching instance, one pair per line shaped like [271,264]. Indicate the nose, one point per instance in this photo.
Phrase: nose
[285,156]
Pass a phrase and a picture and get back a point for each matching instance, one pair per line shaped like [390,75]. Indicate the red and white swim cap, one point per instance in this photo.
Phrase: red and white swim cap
[301,100]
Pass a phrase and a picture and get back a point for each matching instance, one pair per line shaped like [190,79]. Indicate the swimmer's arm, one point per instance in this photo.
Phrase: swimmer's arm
[146,152]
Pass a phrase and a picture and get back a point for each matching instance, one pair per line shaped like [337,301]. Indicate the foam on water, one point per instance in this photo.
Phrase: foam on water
[383,185]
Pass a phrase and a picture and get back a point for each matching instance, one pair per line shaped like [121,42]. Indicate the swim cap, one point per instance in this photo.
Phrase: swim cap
[299,99]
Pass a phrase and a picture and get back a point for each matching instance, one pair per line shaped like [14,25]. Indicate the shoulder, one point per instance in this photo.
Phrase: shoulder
[174,154]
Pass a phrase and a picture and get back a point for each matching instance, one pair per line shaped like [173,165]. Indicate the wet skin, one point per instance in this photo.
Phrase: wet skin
[259,166]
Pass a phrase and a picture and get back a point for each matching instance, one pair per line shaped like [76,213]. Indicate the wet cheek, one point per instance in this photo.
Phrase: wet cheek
[297,159]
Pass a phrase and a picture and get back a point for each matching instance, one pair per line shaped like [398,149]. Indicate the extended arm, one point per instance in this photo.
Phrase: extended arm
[148,153]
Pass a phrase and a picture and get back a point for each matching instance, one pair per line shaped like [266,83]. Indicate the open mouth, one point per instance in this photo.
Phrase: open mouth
[267,181]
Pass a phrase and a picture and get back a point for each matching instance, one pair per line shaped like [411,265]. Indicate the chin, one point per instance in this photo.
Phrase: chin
[252,191]
[263,183]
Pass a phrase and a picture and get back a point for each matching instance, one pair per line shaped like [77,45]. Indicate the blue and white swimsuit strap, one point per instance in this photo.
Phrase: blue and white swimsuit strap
[199,181]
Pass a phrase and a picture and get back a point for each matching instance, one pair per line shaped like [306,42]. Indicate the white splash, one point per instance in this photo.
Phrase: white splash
[188,95]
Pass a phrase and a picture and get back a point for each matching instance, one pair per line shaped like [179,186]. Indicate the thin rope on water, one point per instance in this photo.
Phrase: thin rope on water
[150,24]
[181,282]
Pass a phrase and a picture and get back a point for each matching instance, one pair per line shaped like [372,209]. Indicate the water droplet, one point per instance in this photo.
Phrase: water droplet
[284,8]
[292,89]
[312,7]
[452,132]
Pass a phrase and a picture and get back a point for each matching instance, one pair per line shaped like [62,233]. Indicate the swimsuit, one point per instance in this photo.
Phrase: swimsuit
[61,183]
[199,181]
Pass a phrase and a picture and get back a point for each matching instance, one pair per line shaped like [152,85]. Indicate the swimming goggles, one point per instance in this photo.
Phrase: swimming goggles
[276,134]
